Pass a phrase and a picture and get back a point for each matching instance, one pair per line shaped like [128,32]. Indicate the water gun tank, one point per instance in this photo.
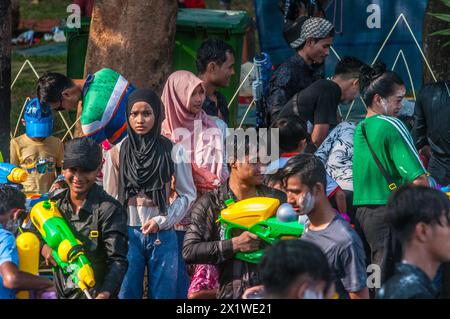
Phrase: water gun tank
[250,211]
[28,248]
[18,176]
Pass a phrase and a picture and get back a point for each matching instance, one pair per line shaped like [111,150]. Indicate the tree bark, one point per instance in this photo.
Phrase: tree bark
[432,45]
[135,38]
[5,77]
[15,15]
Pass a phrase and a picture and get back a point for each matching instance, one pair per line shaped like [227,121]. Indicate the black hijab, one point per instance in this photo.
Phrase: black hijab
[145,160]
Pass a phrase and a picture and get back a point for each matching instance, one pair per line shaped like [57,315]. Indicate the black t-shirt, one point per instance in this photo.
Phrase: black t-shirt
[317,103]
[408,282]
[291,77]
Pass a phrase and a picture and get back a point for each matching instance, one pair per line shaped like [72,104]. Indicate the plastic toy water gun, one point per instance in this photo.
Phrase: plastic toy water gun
[260,85]
[28,248]
[34,198]
[66,249]
[257,215]
[12,175]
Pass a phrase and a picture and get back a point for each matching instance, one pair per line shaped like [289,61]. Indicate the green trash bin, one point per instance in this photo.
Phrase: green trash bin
[77,42]
[193,27]
[196,25]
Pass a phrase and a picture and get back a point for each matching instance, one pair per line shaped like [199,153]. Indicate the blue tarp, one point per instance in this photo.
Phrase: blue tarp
[50,49]
[362,26]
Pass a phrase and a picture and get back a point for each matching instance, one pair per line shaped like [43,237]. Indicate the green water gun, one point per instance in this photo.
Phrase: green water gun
[257,215]
[67,250]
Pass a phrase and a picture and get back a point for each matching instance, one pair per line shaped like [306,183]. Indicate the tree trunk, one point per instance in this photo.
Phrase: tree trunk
[135,38]
[5,77]
[432,45]
[15,15]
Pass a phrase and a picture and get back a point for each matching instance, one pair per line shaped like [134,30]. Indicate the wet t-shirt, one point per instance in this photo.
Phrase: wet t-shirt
[345,253]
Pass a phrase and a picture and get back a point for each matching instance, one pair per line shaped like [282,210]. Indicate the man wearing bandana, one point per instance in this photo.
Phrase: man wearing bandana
[312,39]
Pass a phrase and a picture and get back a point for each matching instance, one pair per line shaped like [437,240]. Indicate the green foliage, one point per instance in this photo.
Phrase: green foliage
[441,16]
[444,17]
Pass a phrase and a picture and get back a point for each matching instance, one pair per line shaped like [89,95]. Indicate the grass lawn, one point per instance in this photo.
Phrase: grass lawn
[26,83]
[45,9]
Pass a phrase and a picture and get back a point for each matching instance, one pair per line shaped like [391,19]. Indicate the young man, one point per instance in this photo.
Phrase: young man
[215,66]
[100,101]
[89,210]
[420,217]
[204,242]
[318,103]
[293,269]
[304,180]
[11,278]
[293,140]
[311,38]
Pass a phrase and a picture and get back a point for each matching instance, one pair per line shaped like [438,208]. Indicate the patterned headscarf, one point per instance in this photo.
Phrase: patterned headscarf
[316,28]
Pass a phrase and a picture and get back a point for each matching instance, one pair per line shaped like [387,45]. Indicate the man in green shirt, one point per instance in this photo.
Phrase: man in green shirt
[392,144]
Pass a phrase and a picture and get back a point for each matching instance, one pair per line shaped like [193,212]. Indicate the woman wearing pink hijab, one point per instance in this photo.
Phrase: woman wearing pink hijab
[186,123]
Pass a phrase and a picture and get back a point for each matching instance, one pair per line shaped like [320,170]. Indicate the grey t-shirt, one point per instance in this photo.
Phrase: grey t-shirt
[344,251]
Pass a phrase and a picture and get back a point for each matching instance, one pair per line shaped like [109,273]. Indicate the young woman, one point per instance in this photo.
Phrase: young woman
[384,137]
[148,163]
[186,123]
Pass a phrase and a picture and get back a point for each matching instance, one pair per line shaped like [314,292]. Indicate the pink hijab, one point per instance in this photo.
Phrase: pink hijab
[197,132]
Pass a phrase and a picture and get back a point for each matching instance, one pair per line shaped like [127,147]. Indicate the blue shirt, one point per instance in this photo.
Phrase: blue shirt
[8,252]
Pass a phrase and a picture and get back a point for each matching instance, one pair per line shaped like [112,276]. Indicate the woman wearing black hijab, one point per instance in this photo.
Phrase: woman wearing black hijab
[142,185]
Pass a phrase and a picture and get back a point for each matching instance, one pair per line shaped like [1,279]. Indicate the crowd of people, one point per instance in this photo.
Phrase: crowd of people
[151,184]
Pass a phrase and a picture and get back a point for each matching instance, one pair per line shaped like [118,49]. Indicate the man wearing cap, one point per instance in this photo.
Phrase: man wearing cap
[97,220]
[311,38]
[36,151]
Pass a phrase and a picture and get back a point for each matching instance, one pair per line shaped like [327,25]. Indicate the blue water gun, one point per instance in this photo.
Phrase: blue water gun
[260,86]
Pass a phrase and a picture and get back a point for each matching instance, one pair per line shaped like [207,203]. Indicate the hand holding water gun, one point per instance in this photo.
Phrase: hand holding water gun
[254,218]
[66,250]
